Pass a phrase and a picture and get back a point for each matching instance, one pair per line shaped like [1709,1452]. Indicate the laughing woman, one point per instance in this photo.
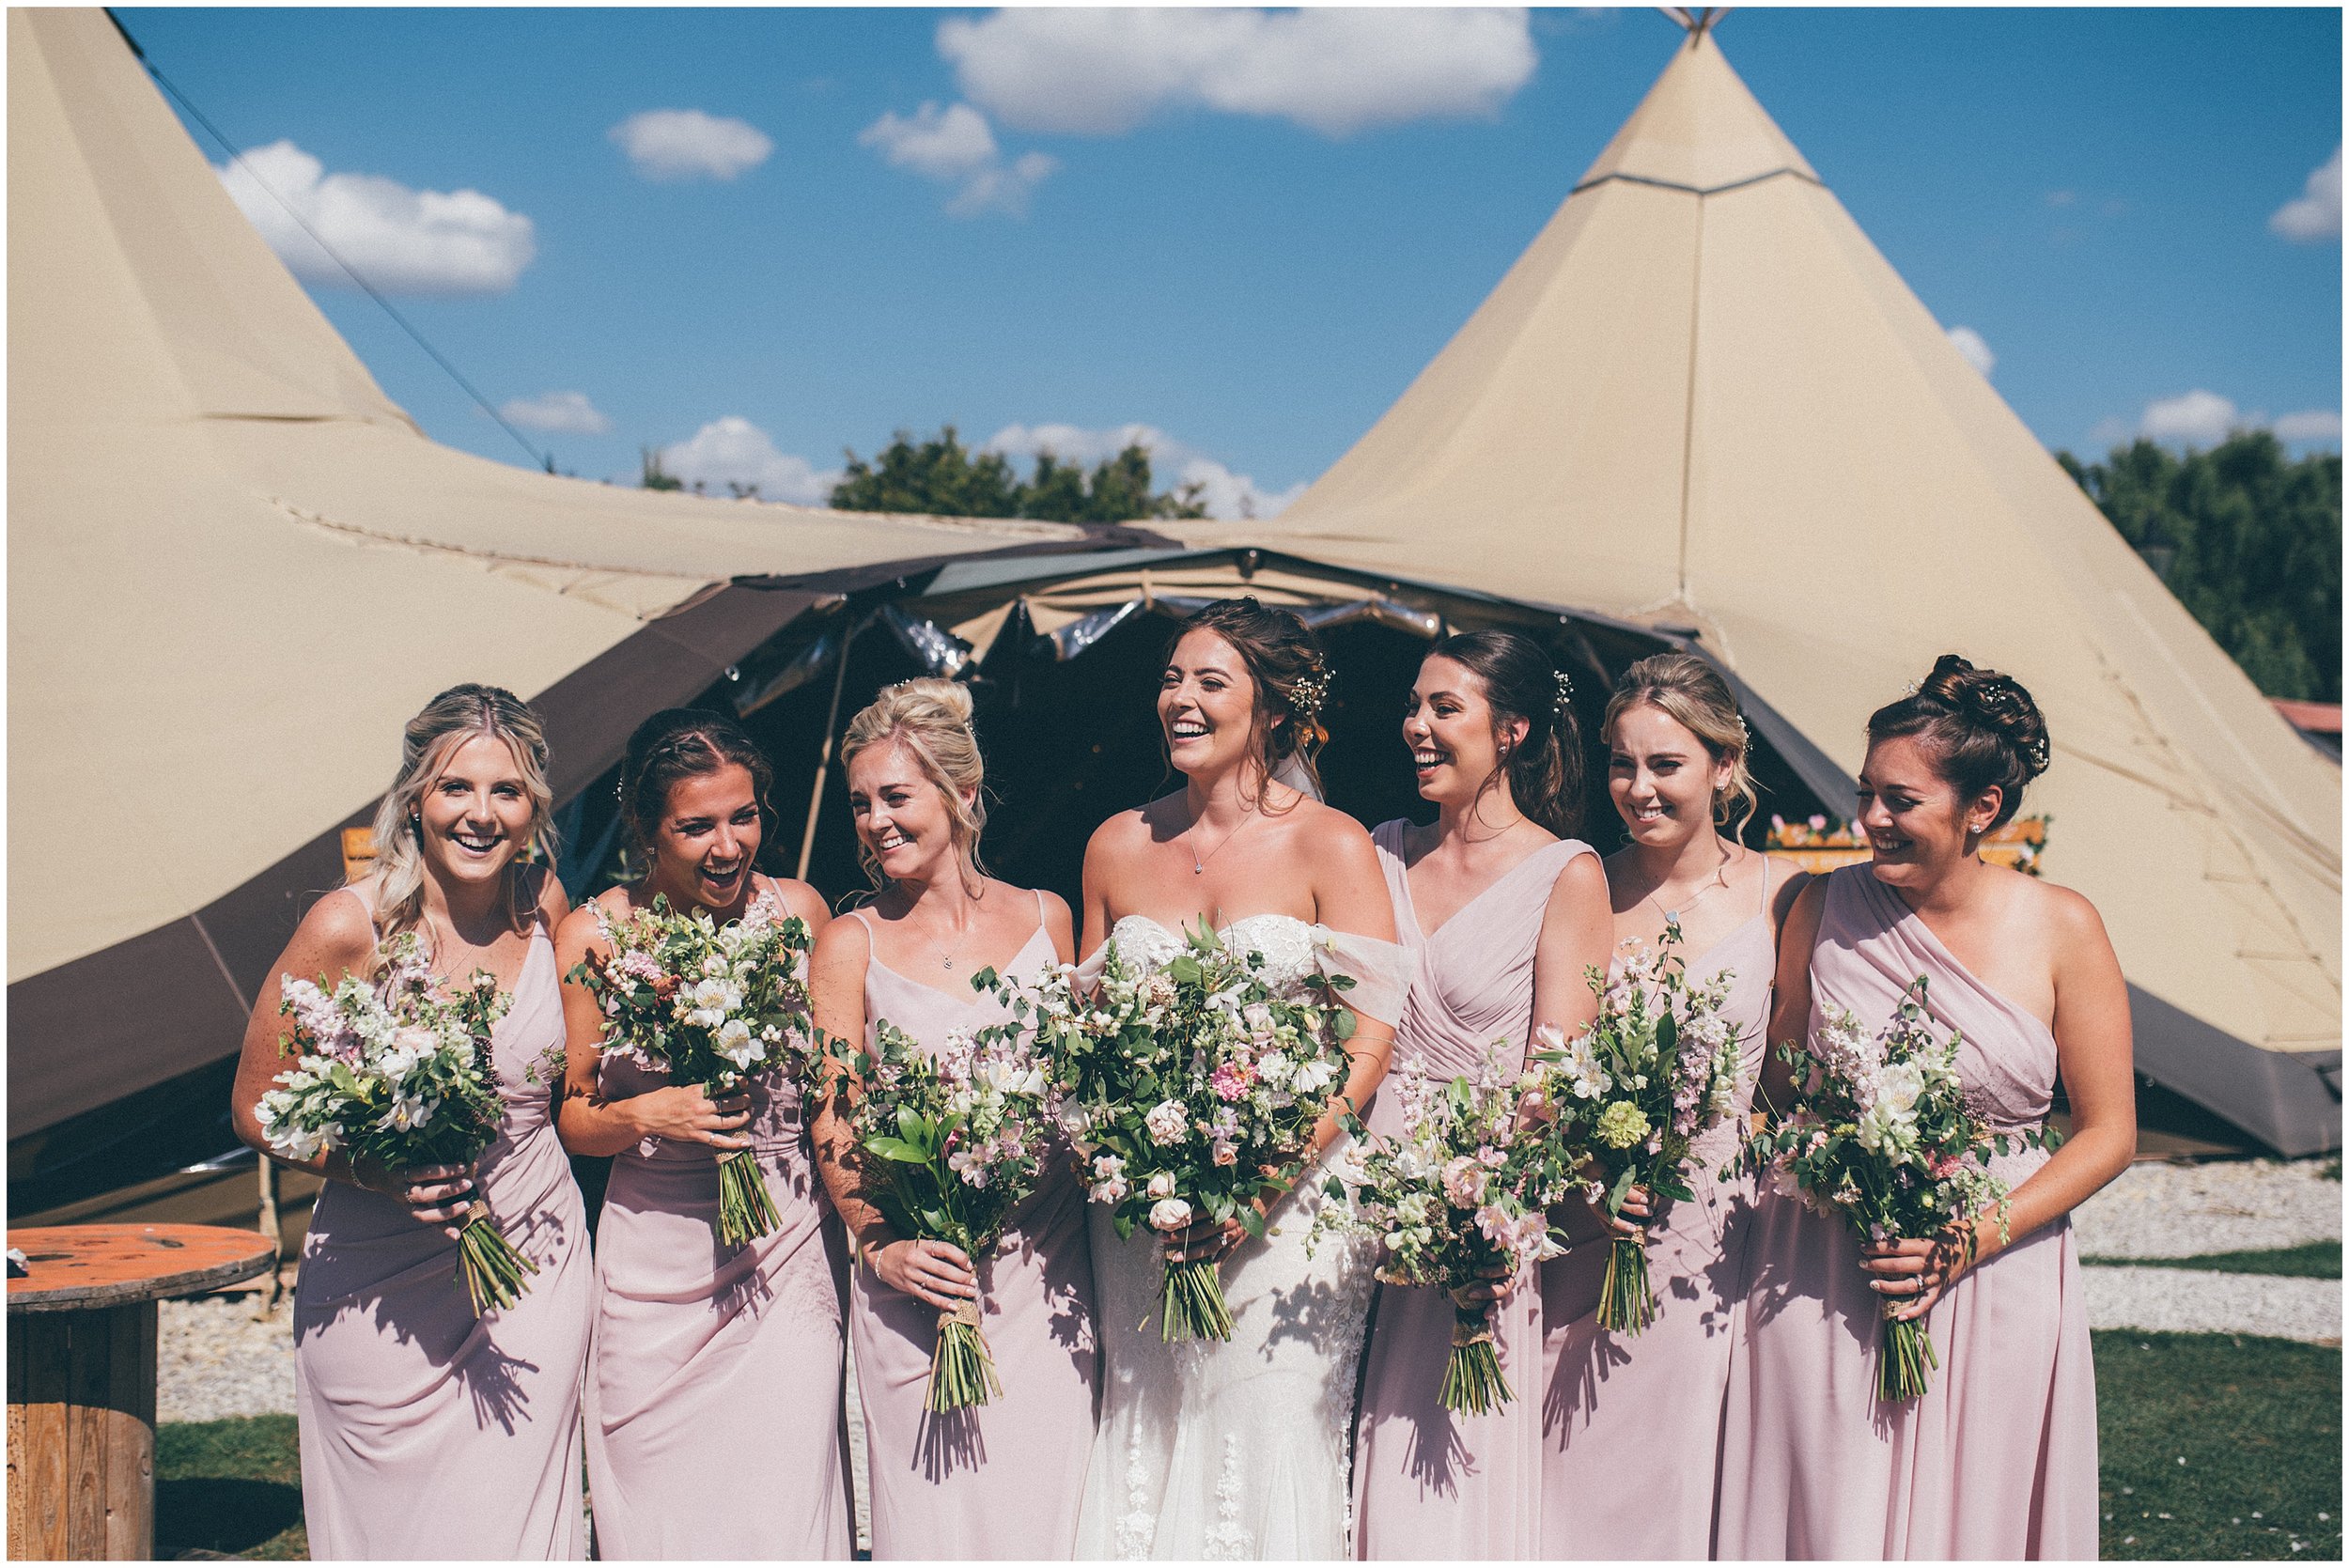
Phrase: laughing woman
[425,1431]
[998,1480]
[1998,1458]
[713,1406]
[1500,909]
[1634,1427]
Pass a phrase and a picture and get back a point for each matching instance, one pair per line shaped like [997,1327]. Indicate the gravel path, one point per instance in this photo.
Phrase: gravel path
[2178,1211]
[212,1360]
[2189,1302]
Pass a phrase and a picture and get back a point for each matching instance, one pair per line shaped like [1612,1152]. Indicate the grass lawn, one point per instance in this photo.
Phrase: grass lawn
[2256,1421]
[229,1488]
[2218,1446]
[2311,1260]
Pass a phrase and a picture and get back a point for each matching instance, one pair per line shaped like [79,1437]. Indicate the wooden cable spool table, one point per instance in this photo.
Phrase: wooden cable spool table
[82,1376]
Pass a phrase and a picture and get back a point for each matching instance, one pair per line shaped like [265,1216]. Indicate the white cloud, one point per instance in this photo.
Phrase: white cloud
[401,241]
[734,451]
[1103,71]
[954,145]
[681,144]
[1977,354]
[2316,216]
[2196,418]
[568,413]
[1173,465]
[2309,424]
[2201,418]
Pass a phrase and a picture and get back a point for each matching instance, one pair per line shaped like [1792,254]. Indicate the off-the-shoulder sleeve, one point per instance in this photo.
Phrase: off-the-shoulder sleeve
[1380,971]
[1089,972]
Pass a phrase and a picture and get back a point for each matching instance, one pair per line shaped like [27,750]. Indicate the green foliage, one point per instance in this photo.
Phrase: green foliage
[656,477]
[941,475]
[2248,541]
[2257,1422]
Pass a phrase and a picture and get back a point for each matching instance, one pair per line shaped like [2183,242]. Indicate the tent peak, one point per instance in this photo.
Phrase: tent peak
[1699,129]
[1698,20]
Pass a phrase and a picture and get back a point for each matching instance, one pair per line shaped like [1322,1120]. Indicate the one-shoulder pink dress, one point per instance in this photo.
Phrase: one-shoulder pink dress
[1998,1459]
[1632,1422]
[426,1432]
[1431,1483]
[714,1410]
[1003,1479]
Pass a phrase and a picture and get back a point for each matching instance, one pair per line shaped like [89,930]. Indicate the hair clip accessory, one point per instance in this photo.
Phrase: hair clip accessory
[1308,692]
[1565,699]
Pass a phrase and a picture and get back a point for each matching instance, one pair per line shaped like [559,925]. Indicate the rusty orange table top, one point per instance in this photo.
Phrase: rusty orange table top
[75,1268]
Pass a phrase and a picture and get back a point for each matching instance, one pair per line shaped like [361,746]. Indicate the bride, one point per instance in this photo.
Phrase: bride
[1238,1449]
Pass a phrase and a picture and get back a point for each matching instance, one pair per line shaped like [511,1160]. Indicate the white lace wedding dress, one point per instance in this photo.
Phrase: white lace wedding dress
[1238,1449]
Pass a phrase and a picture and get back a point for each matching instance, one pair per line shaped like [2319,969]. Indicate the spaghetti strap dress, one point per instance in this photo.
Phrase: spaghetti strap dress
[1632,1424]
[1003,1479]
[1431,1483]
[426,1432]
[1998,1459]
[715,1424]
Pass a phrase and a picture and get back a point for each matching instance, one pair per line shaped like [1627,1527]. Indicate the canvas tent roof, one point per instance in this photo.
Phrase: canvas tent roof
[1702,397]
[236,568]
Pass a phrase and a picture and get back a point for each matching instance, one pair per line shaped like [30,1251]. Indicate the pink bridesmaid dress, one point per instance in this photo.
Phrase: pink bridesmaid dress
[1999,1457]
[1003,1479]
[1632,1424]
[426,1432]
[1431,1483]
[714,1408]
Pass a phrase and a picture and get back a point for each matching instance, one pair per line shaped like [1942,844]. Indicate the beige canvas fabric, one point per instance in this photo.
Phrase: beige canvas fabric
[234,566]
[1702,397]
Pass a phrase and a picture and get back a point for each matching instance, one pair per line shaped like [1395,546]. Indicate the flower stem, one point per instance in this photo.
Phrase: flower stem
[1191,1304]
[1472,1379]
[495,1273]
[962,1369]
[1626,1305]
[745,1212]
[1904,1368]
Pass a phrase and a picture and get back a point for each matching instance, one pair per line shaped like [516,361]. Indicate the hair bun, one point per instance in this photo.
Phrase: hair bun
[1997,703]
[952,695]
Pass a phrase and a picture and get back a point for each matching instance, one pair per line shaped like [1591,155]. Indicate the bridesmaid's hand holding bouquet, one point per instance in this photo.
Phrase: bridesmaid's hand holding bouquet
[394,1075]
[1882,1134]
[1190,1093]
[950,1146]
[1632,1091]
[1460,1199]
[714,1005]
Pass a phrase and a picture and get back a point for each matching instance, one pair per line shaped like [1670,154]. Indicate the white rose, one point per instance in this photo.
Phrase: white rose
[1170,1214]
[1161,1186]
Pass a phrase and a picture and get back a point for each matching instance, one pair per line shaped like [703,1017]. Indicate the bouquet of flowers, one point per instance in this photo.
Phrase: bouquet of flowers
[1460,1191]
[1630,1091]
[714,1005]
[392,1071]
[1191,1091]
[1882,1134]
[952,1144]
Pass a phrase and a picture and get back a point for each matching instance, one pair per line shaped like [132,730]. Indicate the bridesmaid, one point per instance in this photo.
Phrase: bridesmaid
[1500,908]
[1998,1459]
[1633,1439]
[713,1410]
[1000,1480]
[425,1431]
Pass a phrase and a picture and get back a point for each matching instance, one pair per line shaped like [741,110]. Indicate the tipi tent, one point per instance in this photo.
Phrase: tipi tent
[1703,397]
[236,568]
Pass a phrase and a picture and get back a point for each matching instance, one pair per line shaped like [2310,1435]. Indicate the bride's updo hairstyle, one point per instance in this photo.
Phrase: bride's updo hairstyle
[433,736]
[931,719]
[679,744]
[1291,676]
[1545,770]
[1978,728]
[1690,693]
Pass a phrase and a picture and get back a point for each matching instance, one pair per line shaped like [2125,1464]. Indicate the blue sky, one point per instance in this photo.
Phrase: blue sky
[1244,231]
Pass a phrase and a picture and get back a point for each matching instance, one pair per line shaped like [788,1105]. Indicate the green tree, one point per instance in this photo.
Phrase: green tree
[2250,542]
[941,475]
[656,477]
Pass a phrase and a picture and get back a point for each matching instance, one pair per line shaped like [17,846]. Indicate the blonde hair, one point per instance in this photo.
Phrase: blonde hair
[1691,692]
[931,719]
[432,736]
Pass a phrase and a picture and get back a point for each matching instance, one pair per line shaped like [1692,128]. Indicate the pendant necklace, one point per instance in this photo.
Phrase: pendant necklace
[1716,879]
[1199,866]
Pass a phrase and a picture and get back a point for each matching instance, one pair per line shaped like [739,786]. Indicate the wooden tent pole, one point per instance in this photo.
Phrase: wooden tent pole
[823,758]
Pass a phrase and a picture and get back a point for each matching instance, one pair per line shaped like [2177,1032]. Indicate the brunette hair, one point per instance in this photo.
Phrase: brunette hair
[931,719]
[679,744]
[1291,676]
[1978,728]
[431,737]
[1545,770]
[1692,694]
